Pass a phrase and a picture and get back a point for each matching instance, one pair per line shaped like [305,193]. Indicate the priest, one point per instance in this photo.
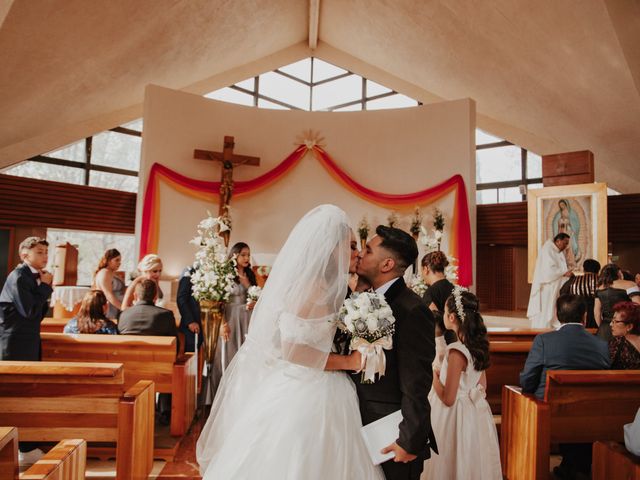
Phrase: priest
[550,273]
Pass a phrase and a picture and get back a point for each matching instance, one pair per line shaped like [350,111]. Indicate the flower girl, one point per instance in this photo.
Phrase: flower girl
[460,415]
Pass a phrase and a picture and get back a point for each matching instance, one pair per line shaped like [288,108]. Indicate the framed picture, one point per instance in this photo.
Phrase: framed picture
[577,210]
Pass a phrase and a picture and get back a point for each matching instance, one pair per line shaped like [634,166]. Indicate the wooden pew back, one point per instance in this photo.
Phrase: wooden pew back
[66,461]
[507,361]
[8,453]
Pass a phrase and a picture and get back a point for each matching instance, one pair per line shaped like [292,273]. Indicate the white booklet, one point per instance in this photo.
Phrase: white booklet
[381,433]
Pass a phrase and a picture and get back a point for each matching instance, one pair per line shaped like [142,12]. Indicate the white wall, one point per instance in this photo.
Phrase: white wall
[391,151]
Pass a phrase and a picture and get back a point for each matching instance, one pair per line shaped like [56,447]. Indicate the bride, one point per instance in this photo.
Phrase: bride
[278,414]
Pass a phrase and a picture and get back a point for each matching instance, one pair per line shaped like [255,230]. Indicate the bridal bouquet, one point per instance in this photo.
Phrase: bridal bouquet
[417,284]
[369,319]
[253,294]
[214,274]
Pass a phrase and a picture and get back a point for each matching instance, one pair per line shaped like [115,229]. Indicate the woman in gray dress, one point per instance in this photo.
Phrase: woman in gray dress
[106,280]
[237,312]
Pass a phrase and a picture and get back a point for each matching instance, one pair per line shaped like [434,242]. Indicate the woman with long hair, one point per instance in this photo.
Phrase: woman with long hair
[150,268]
[105,280]
[92,316]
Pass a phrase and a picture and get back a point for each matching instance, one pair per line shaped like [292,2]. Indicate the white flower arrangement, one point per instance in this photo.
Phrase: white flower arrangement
[253,294]
[417,284]
[214,274]
[368,318]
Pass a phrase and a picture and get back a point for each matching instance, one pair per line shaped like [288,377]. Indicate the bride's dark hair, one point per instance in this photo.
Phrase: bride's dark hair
[472,331]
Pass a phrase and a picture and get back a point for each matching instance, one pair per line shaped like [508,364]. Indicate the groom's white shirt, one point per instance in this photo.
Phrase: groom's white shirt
[382,289]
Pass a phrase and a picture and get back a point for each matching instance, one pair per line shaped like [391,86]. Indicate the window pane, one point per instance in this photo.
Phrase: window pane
[74,152]
[44,171]
[612,192]
[484,197]
[374,88]
[484,137]
[267,104]
[284,89]
[136,125]
[301,69]
[116,150]
[533,186]
[337,92]
[349,108]
[114,181]
[91,246]
[393,101]
[231,96]
[511,194]
[323,70]
[498,164]
[248,84]
[534,165]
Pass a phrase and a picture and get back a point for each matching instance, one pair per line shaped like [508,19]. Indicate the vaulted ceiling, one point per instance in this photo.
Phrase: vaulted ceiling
[549,75]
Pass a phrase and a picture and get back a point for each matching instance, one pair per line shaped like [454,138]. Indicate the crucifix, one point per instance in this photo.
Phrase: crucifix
[228,160]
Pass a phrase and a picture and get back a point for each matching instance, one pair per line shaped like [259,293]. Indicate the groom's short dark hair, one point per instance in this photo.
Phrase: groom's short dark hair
[400,244]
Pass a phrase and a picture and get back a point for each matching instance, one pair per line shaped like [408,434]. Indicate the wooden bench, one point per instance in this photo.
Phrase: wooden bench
[53,325]
[144,358]
[51,401]
[612,461]
[580,406]
[8,453]
[507,361]
[500,334]
[66,461]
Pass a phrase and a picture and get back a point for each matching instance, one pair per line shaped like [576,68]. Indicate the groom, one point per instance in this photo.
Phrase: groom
[408,375]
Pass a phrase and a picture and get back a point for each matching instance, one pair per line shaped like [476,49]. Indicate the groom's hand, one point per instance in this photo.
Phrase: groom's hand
[401,454]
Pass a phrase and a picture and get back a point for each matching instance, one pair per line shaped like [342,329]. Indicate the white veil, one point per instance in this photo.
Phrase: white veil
[292,323]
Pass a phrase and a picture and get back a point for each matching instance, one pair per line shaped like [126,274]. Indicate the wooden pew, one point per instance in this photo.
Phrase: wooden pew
[143,357]
[611,461]
[8,453]
[580,406]
[66,461]
[51,401]
[507,361]
[501,334]
[53,325]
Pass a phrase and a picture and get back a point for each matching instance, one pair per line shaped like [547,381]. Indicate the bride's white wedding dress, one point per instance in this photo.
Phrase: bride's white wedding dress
[277,414]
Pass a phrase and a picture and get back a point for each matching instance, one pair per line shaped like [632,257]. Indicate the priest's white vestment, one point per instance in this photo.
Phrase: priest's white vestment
[548,277]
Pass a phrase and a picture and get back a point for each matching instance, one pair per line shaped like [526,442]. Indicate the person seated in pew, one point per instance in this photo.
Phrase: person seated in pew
[624,347]
[92,316]
[585,286]
[150,268]
[569,347]
[145,318]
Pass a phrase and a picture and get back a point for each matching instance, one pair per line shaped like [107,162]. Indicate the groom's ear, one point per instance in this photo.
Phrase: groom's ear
[388,264]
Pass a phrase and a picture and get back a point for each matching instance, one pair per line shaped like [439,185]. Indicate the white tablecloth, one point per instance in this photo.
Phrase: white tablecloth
[68,297]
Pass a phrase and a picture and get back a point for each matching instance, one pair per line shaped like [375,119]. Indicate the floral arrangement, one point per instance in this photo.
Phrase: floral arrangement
[253,294]
[393,219]
[370,322]
[433,243]
[416,222]
[264,270]
[363,228]
[417,284]
[214,274]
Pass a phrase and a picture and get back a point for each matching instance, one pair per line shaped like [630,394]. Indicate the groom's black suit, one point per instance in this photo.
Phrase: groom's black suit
[406,382]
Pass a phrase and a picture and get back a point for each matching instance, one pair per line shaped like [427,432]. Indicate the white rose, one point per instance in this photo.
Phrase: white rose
[385,312]
[372,322]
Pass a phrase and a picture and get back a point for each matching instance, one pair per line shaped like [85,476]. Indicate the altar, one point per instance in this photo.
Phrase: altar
[66,300]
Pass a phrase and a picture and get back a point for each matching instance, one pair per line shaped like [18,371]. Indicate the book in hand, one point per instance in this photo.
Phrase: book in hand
[381,433]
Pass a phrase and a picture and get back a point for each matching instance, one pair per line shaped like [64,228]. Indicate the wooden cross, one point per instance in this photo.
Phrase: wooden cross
[228,160]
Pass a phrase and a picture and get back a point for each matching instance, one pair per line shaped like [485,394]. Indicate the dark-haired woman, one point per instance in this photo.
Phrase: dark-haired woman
[237,312]
[92,316]
[624,347]
[612,289]
[460,415]
[433,266]
[105,280]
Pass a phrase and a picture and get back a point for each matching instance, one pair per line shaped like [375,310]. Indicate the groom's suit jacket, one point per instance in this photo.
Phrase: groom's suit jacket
[408,376]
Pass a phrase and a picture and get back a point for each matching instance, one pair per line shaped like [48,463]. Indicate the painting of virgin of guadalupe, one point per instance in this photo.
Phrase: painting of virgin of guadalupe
[580,211]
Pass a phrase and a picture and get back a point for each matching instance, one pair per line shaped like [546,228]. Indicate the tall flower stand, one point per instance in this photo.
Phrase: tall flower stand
[212,317]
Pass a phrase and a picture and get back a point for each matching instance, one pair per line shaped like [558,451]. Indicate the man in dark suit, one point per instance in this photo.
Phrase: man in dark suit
[408,373]
[189,311]
[570,347]
[144,318]
[24,302]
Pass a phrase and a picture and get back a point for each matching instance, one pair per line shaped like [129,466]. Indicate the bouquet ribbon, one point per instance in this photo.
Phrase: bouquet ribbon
[373,360]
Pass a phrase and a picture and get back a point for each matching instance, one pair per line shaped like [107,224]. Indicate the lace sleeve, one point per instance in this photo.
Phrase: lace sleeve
[306,341]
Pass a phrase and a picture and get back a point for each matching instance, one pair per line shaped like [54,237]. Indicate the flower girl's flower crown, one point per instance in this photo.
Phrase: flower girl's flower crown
[457,296]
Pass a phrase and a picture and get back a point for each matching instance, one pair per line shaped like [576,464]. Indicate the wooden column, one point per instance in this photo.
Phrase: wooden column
[570,168]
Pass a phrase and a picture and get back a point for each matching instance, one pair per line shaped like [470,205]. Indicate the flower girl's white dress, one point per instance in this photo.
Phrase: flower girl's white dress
[466,433]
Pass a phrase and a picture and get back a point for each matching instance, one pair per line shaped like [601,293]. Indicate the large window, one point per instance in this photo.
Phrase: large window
[109,159]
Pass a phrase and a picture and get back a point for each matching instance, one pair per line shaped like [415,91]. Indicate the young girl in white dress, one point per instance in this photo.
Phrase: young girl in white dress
[460,415]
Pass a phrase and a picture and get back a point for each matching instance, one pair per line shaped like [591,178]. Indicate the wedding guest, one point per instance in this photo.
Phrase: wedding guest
[189,308]
[111,285]
[585,286]
[439,289]
[460,414]
[24,301]
[570,347]
[624,347]
[612,289]
[237,312]
[150,268]
[92,316]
